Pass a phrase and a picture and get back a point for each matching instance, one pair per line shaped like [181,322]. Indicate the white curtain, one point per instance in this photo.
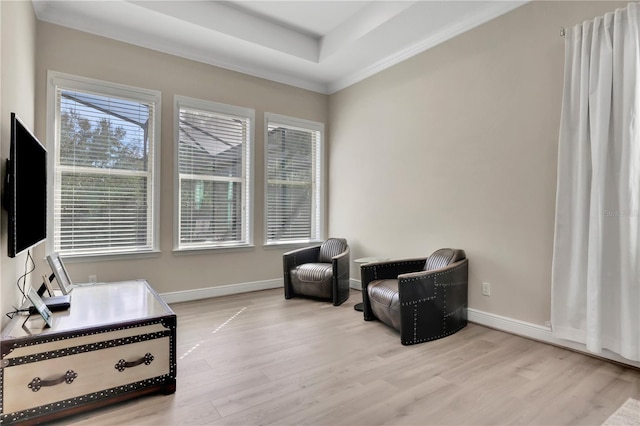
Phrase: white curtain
[596,258]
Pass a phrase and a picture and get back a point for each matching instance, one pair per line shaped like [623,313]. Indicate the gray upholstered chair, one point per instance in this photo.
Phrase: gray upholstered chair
[424,299]
[320,271]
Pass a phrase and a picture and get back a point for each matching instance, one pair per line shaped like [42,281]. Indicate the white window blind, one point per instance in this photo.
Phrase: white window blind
[103,197]
[294,180]
[214,166]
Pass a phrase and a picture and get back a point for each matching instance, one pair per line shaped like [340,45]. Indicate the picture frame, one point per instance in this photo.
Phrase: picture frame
[60,272]
[47,283]
[40,306]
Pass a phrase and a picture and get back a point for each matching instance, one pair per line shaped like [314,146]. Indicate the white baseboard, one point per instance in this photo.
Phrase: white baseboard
[509,325]
[355,284]
[537,332]
[223,290]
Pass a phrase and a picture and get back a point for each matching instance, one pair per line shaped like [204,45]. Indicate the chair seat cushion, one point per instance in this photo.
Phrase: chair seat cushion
[312,279]
[385,301]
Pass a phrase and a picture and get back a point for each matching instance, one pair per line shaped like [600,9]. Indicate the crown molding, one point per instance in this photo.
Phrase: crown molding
[364,36]
[448,33]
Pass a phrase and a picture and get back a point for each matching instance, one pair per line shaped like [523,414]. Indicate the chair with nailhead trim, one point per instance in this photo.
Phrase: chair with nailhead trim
[424,299]
[320,271]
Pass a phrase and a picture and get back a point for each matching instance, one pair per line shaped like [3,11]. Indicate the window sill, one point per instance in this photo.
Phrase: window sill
[209,250]
[110,256]
[291,245]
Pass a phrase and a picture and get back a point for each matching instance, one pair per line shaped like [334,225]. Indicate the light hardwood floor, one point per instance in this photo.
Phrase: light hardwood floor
[258,359]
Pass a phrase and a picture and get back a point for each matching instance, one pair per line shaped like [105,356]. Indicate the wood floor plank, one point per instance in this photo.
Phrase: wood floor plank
[258,359]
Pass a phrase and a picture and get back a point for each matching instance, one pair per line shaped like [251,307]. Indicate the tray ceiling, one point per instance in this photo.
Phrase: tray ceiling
[322,46]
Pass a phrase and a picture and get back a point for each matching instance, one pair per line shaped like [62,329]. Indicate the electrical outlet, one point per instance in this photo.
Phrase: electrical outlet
[486,289]
[93,279]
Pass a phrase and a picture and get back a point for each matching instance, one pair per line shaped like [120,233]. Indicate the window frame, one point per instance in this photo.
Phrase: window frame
[319,189]
[247,164]
[57,80]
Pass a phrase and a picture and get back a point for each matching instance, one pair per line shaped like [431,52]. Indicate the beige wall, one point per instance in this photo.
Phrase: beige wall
[454,147]
[17,93]
[457,147]
[78,53]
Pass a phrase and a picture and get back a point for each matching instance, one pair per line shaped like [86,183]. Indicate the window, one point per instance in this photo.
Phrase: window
[214,147]
[104,167]
[294,184]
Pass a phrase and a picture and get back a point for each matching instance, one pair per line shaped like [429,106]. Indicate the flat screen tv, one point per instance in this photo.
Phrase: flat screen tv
[26,189]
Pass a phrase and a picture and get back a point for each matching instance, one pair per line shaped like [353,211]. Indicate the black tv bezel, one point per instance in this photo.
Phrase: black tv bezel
[12,189]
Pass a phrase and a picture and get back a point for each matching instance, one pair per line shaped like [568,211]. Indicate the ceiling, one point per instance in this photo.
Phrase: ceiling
[323,46]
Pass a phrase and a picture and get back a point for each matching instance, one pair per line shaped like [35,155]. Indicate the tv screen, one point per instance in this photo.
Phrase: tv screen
[26,189]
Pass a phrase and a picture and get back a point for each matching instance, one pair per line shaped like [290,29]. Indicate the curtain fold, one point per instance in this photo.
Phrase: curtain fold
[595,272]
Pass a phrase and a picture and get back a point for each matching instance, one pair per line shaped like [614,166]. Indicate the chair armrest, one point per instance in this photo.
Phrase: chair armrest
[341,277]
[299,256]
[294,258]
[341,263]
[388,270]
[433,304]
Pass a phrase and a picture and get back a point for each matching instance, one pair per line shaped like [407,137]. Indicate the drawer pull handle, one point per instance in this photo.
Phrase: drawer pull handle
[37,382]
[122,364]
